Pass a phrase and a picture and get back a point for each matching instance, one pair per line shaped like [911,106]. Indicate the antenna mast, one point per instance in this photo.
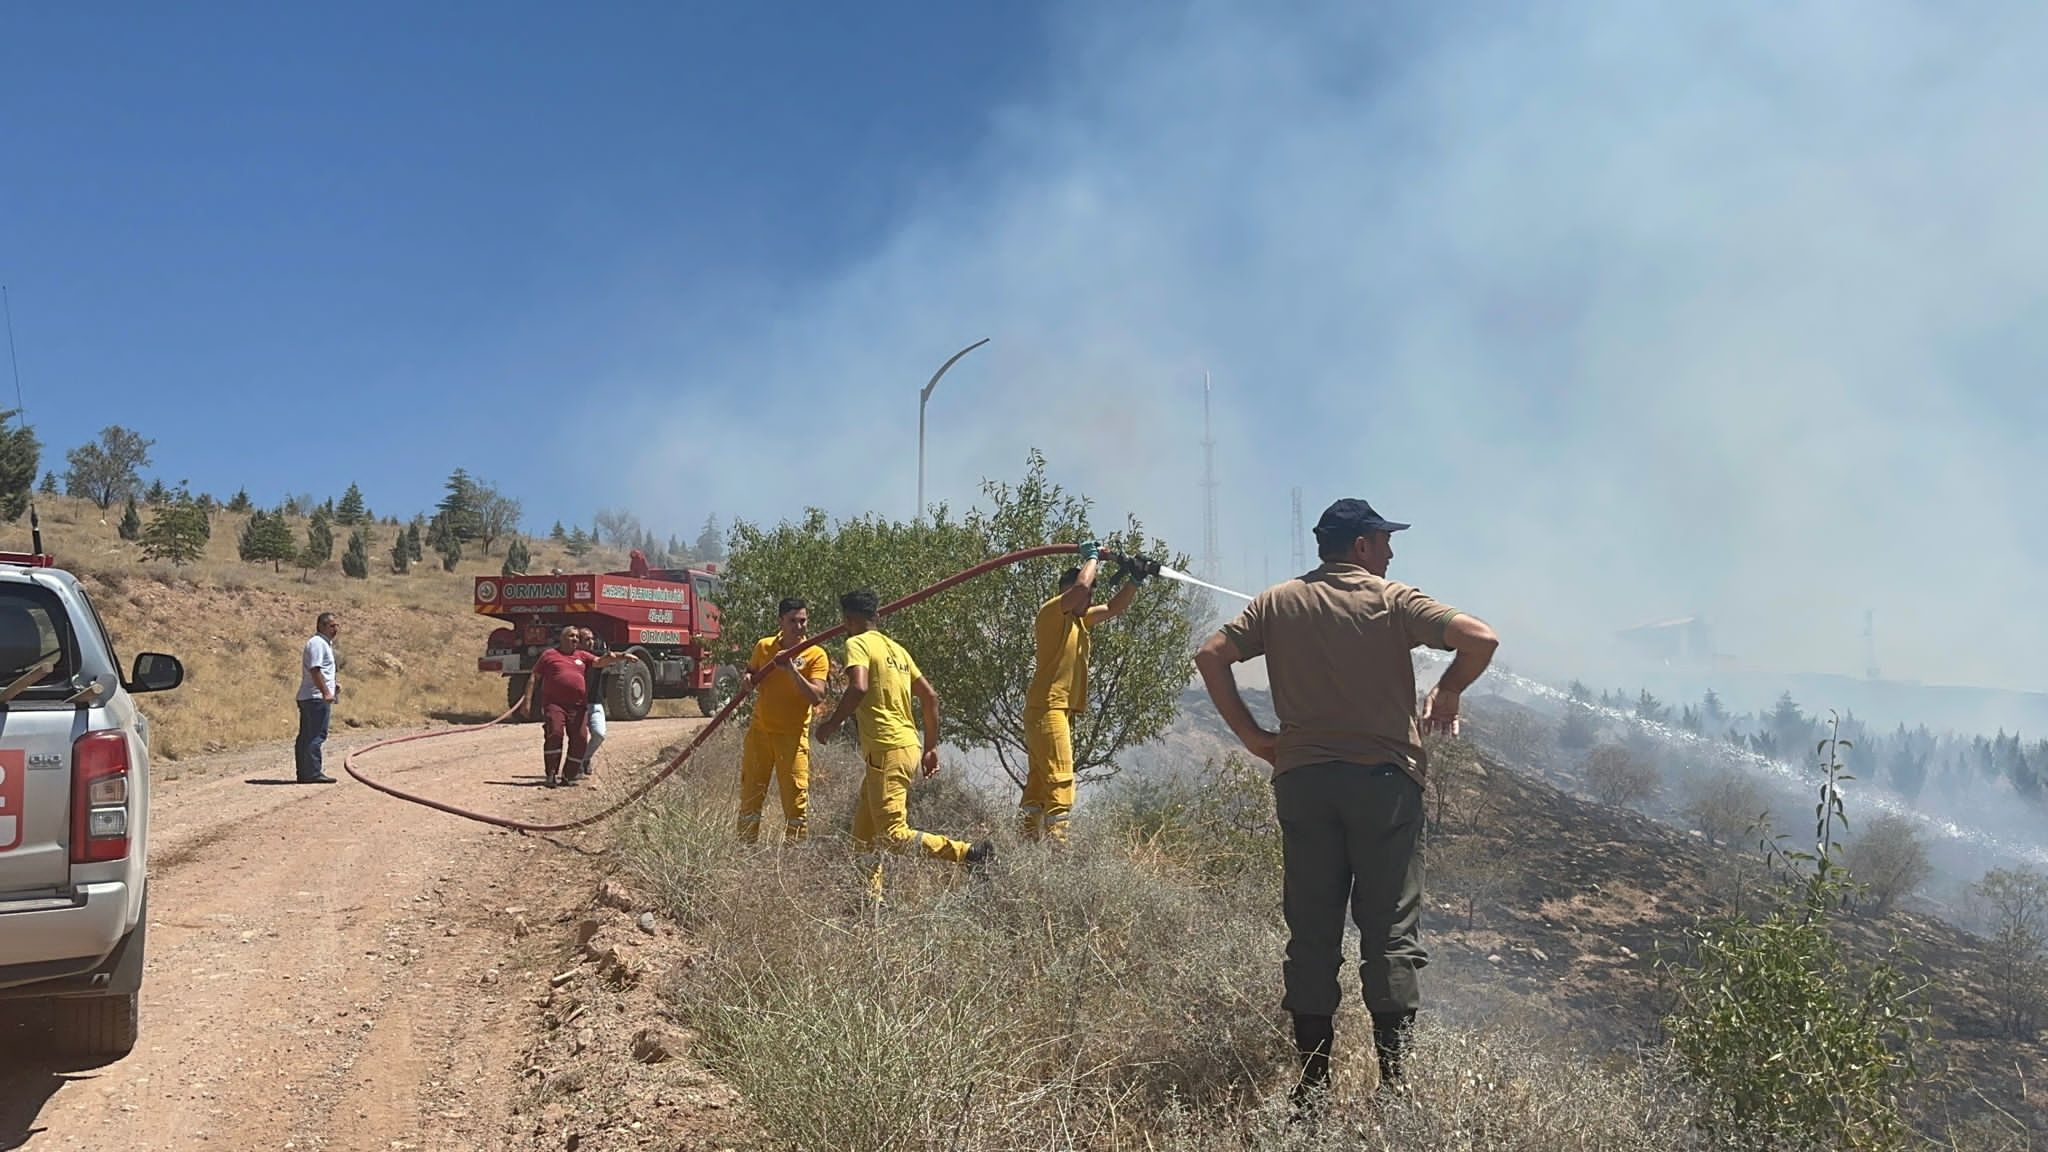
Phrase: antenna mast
[1300,552]
[1212,558]
[35,523]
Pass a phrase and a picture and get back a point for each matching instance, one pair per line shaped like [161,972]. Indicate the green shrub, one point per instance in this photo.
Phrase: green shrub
[1792,1045]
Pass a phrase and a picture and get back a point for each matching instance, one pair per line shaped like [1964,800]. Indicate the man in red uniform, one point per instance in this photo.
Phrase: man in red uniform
[562,676]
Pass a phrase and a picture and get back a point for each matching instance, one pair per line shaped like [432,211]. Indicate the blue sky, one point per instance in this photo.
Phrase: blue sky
[1635,311]
[299,247]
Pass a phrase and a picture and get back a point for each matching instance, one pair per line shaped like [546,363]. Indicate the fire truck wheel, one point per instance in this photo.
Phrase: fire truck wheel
[629,691]
[515,690]
[723,684]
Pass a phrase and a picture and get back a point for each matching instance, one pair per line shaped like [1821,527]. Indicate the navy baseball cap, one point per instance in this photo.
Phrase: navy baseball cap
[1349,519]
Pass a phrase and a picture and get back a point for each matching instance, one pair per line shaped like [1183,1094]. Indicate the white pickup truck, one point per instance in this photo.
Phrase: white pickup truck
[74,808]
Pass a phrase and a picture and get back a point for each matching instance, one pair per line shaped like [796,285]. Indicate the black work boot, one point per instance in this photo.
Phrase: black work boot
[980,856]
[1313,1036]
[1390,1036]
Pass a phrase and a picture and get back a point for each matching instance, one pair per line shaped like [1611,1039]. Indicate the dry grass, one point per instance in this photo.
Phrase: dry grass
[408,647]
[1121,994]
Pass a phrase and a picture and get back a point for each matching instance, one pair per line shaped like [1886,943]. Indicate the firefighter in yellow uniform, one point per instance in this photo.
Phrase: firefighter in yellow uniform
[778,740]
[1059,688]
[881,679]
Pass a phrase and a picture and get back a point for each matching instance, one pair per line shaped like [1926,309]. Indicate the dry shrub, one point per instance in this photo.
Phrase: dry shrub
[1619,777]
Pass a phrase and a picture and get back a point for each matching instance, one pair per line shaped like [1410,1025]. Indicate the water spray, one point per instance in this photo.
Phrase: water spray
[1177,574]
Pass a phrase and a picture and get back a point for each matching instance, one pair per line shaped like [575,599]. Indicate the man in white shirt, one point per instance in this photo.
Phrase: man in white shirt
[316,699]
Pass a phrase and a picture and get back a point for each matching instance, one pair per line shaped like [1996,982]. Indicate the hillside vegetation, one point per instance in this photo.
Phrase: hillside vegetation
[408,645]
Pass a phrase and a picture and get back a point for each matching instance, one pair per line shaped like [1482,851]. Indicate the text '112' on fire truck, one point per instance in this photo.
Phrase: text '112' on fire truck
[665,617]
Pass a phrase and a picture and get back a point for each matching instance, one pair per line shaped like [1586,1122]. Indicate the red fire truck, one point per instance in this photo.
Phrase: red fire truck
[667,618]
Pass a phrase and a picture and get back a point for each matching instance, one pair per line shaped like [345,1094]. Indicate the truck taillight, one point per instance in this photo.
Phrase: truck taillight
[99,797]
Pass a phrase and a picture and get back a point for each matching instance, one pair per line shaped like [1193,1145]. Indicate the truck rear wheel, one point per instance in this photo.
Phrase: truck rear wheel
[97,1027]
[515,691]
[629,691]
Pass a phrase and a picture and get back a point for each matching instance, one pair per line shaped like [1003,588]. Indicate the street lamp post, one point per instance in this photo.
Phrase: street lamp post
[923,398]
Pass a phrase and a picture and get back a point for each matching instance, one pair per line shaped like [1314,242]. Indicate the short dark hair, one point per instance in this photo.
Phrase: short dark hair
[860,602]
[1069,578]
[323,620]
[1335,545]
[790,604]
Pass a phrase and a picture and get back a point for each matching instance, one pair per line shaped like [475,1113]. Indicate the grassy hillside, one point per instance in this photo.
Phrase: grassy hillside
[408,645]
[1125,993]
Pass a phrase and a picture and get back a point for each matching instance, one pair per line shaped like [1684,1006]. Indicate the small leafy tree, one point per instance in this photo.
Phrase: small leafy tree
[1890,859]
[497,516]
[350,512]
[355,561]
[106,470]
[2017,955]
[1616,777]
[176,532]
[241,501]
[131,521]
[974,641]
[1794,1045]
[319,547]
[1723,806]
[21,455]
[517,559]
[1455,794]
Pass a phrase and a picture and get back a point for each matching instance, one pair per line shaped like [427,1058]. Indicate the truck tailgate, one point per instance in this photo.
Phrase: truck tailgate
[35,798]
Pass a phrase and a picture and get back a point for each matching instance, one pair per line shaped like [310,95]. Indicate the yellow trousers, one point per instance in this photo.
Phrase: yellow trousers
[786,756]
[1049,788]
[882,818]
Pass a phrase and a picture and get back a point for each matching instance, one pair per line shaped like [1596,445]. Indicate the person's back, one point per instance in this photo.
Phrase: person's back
[884,716]
[1338,643]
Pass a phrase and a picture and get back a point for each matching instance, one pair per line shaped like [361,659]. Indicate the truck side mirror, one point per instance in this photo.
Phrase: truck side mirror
[156,672]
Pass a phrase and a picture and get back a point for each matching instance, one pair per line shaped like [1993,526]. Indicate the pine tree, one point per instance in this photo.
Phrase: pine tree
[49,487]
[267,536]
[350,511]
[241,502]
[578,544]
[517,559]
[319,547]
[557,534]
[158,495]
[176,532]
[461,509]
[401,555]
[710,542]
[131,521]
[356,561]
[451,553]
[412,541]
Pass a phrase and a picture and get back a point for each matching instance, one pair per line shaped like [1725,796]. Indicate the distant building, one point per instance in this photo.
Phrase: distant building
[1684,640]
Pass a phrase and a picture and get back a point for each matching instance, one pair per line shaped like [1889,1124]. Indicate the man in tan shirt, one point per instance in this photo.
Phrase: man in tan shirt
[1348,768]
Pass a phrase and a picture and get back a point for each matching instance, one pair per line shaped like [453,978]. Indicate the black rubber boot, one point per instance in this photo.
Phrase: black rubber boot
[1390,1037]
[1313,1036]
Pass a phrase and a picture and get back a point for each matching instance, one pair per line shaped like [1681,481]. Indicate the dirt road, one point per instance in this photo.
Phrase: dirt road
[330,968]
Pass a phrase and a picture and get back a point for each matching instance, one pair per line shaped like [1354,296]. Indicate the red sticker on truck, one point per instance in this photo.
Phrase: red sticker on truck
[13,791]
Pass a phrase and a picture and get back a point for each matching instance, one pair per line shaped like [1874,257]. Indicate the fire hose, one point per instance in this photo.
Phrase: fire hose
[719,718]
